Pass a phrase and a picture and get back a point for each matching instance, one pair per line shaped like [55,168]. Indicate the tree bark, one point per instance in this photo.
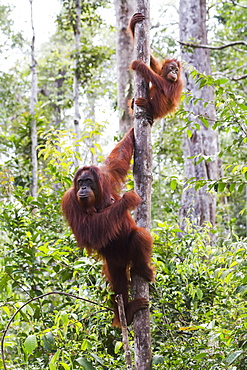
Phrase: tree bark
[125,51]
[123,321]
[199,206]
[77,117]
[143,182]
[33,102]
[90,115]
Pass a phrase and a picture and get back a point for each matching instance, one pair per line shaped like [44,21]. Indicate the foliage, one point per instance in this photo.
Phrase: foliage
[41,256]
[9,38]
[67,18]
[231,122]
[167,170]
[198,301]
[230,26]
[90,57]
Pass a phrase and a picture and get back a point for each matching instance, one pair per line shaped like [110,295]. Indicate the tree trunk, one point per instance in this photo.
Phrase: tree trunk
[59,85]
[199,206]
[33,102]
[143,182]
[90,115]
[124,11]
[77,117]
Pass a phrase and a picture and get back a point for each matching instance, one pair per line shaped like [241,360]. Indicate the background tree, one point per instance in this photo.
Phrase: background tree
[83,20]
[229,67]
[33,102]
[124,51]
[77,34]
[201,142]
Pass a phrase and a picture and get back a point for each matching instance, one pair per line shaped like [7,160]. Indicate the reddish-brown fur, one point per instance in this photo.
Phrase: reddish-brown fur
[106,226]
[165,77]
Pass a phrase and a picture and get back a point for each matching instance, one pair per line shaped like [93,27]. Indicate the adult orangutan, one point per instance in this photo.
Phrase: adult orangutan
[100,220]
[165,77]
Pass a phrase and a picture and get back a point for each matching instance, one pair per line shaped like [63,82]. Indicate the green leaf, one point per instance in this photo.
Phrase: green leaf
[177,230]
[6,309]
[189,133]
[221,81]
[217,272]
[93,151]
[158,359]
[85,345]
[228,277]
[235,168]
[233,356]
[221,186]
[199,293]
[204,121]
[117,347]
[232,186]
[243,106]
[240,188]
[85,363]
[65,366]
[30,343]
[173,184]
[241,289]
[244,281]
[199,161]
[52,365]
[201,355]
[64,317]
[98,359]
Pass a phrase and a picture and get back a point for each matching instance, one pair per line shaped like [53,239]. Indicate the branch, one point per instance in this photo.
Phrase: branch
[235,3]
[122,318]
[19,284]
[239,78]
[35,299]
[233,43]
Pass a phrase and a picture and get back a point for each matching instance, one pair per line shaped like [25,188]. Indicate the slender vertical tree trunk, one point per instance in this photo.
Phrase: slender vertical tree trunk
[77,34]
[198,206]
[124,10]
[90,115]
[59,84]
[143,182]
[33,102]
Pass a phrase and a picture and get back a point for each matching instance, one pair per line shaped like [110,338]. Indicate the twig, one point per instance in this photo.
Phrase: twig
[239,78]
[19,284]
[123,322]
[233,43]
[235,3]
[21,287]
[34,299]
